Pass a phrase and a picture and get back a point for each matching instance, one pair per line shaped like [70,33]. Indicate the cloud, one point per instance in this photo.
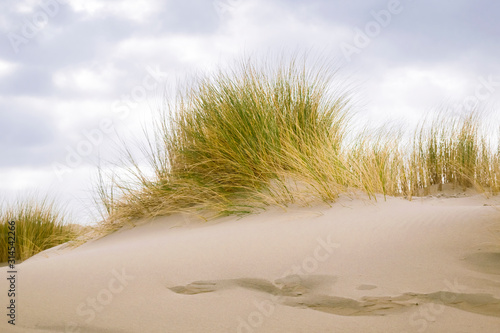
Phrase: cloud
[27,81]
[425,30]
[185,17]
[90,54]
[27,135]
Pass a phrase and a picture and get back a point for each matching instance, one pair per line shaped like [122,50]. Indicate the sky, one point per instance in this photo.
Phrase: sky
[76,77]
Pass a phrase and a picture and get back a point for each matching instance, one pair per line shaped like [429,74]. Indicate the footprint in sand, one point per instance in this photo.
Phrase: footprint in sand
[199,287]
[292,285]
[366,287]
[305,292]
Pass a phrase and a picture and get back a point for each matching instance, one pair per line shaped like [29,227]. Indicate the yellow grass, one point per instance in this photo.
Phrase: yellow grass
[39,225]
[257,135]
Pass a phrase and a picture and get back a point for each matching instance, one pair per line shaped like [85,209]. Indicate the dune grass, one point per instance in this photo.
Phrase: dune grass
[254,136]
[39,224]
[456,151]
[240,141]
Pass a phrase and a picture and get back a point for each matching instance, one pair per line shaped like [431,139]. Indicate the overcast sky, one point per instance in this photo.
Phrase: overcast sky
[74,73]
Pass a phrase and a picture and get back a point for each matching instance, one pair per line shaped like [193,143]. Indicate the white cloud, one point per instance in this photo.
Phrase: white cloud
[185,52]
[24,179]
[74,193]
[129,9]
[6,67]
[86,79]
[257,25]
[407,93]
[26,7]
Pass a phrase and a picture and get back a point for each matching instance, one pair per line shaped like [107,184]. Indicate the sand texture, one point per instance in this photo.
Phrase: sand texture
[429,265]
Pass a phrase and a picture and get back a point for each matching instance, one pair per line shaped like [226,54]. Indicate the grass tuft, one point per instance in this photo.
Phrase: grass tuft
[243,139]
[40,225]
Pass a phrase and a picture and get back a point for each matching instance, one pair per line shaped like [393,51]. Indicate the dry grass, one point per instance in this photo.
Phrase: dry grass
[455,151]
[244,139]
[40,225]
[241,140]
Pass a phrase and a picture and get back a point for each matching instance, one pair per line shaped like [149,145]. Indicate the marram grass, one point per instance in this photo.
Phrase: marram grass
[40,225]
[256,136]
[244,139]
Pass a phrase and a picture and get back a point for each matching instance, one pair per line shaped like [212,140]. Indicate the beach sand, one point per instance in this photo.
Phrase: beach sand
[429,265]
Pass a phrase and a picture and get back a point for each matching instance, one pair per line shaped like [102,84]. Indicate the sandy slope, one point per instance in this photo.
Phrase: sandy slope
[430,265]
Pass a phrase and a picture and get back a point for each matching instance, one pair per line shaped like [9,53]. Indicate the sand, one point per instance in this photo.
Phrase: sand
[429,265]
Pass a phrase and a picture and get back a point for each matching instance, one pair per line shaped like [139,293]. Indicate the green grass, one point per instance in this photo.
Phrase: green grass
[456,151]
[240,141]
[254,136]
[40,225]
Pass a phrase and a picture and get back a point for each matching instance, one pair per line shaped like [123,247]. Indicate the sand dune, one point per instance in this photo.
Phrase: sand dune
[430,265]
